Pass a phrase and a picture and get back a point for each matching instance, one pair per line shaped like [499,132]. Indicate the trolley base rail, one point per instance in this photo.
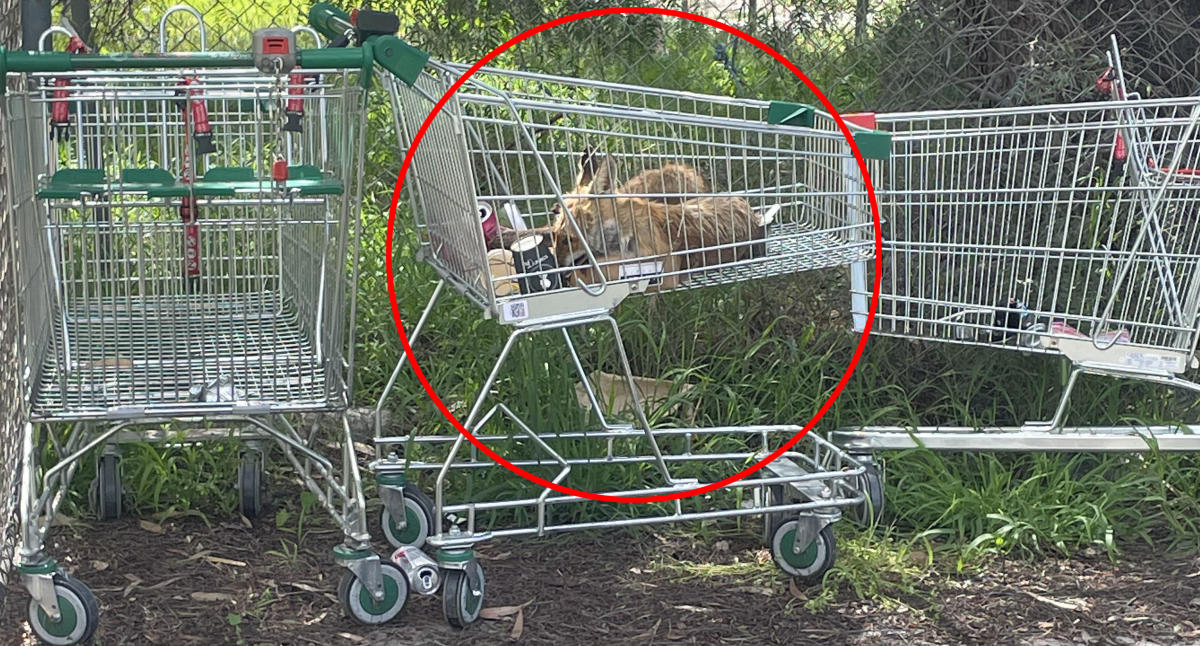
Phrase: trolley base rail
[1084,439]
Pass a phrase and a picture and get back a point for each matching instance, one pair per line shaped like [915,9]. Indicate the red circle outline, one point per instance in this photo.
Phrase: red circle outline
[679,495]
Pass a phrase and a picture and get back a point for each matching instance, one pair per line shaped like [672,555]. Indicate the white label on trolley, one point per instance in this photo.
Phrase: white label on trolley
[514,311]
[1145,361]
[640,269]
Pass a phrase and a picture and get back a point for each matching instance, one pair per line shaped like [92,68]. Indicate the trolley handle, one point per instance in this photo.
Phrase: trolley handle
[399,58]
[331,22]
[162,27]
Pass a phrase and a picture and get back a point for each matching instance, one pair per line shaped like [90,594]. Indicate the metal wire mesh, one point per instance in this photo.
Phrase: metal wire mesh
[140,318]
[879,55]
[11,409]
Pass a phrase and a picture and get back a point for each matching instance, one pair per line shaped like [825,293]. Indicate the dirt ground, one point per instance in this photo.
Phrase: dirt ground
[183,582]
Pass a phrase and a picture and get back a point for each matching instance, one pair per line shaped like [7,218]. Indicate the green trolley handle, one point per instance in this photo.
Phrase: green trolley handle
[329,21]
[399,58]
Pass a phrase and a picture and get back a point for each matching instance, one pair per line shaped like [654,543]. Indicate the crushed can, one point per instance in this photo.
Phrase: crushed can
[423,574]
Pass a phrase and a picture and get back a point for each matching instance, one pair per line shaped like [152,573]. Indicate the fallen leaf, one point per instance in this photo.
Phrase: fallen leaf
[518,626]
[499,612]
[211,596]
[163,584]
[217,559]
[1077,604]
[316,620]
[153,528]
[649,634]
[754,589]
[246,523]
[352,637]
[99,566]
[796,591]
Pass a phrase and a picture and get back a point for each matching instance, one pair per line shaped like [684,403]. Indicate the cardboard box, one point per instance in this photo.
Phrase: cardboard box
[613,393]
[617,267]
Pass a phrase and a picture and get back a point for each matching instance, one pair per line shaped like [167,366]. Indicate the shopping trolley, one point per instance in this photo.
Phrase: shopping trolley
[187,235]
[546,201]
[1066,230]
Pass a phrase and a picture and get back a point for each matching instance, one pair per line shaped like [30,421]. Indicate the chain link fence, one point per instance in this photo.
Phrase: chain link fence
[883,55]
[11,422]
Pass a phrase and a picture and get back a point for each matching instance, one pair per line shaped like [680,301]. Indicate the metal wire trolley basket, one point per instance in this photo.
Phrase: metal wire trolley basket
[187,237]
[546,201]
[1064,229]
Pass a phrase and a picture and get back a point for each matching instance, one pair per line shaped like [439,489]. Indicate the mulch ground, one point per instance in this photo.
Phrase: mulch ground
[184,582]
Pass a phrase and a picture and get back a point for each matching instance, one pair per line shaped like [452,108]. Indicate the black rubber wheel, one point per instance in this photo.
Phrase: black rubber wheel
[106,489]
[870,512]
[79,614]
[250,478]
[462,594]
[362,607]
[418,509]
[771,520]
[811,564]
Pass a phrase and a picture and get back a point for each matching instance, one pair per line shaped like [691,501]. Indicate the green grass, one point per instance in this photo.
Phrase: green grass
[768,352]
[749,365]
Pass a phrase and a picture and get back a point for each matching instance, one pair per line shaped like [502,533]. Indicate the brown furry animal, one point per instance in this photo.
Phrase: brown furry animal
[672,184]
[633,227]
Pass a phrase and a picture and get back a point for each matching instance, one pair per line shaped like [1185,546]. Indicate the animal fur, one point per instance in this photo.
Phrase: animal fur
[614,225]
[671,184]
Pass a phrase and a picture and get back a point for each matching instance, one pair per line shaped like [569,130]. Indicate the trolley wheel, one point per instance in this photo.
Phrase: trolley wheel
[418,511]
[79,614]
[250,477]
[106,488]
[362,607]
[811,564]
[774,495]
[462,594]
[870,512]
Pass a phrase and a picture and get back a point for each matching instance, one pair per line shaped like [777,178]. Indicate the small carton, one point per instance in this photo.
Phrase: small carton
[613,393]
[661,270]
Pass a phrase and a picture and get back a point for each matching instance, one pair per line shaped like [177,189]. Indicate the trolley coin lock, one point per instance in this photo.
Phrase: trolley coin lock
[533,260]
[274,50]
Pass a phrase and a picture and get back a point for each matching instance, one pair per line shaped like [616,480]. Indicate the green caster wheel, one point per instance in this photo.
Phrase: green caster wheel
[79,614]
[418,509]
[362,607]
[105,494]
[462,594]
[809,565]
